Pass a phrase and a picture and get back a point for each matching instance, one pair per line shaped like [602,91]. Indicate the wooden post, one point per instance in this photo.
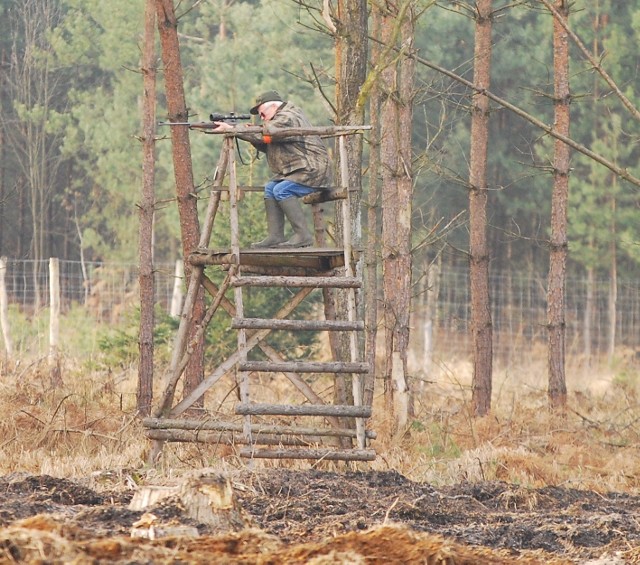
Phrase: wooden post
[242,377]
[431,302]
[54,320]
[348,237]
[177,296]
[4,309]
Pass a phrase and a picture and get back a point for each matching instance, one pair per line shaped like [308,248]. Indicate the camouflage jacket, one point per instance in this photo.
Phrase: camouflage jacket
[301,159]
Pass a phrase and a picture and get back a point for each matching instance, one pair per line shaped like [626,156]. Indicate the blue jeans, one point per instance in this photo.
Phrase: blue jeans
[283,189]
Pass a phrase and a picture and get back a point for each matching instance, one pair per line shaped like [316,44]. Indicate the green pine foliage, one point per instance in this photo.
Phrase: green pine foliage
[232,51]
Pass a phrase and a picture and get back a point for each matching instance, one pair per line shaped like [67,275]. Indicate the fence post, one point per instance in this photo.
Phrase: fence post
[431,297]
[176,298]
[4,309]
[54,320]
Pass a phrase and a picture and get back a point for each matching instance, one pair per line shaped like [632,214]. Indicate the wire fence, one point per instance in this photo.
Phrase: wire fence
[595,324]
[104,289]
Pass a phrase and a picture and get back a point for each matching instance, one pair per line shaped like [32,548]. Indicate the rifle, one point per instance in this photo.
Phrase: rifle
[231,118]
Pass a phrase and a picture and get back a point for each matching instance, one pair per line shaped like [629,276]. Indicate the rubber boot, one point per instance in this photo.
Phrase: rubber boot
[301,237]
[275,225]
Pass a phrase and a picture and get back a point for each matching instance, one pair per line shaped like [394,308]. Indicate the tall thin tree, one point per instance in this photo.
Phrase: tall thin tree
[371,92]
[396,112]
[481,325]
[183,171]
[351,67]
[147,204]
[557,391]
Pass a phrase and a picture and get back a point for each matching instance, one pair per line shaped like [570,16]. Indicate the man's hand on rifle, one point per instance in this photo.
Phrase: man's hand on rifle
[227,123]
[224,126]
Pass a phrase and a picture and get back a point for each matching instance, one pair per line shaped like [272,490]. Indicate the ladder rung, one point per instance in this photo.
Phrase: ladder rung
[291,281]
[306,325]
[327,195]
[327,454]
[196,436]
[219,426]
[341,410]
[304,367]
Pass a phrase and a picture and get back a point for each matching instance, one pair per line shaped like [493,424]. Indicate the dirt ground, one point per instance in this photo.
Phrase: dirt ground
[317,517]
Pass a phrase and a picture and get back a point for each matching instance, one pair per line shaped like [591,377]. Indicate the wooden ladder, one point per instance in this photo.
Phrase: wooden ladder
[350,283]
[302,270]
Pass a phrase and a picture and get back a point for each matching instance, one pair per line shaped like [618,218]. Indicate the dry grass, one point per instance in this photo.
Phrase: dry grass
[87,426]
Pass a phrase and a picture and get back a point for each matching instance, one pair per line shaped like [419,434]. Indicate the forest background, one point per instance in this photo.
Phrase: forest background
[71,121]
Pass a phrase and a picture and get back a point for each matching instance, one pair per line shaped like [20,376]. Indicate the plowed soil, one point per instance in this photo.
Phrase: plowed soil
[298,516]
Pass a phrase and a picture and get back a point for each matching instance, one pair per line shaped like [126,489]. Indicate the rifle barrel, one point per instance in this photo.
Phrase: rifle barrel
[191,124]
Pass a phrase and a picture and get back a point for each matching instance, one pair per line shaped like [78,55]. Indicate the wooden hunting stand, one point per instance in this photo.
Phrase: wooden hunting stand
[331,431]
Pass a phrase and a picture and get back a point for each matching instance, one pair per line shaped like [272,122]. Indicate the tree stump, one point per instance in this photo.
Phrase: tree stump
[205,498]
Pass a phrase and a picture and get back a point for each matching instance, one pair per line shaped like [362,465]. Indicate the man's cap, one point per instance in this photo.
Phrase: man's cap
[268,96]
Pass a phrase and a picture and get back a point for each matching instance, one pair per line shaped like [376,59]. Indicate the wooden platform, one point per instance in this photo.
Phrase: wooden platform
[315,258]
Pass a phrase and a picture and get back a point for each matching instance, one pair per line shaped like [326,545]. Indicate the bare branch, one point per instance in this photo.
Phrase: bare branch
[621,172]
[597,66]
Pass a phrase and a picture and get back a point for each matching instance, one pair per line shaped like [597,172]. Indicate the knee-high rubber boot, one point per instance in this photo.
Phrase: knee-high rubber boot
[302,237]
[275,225]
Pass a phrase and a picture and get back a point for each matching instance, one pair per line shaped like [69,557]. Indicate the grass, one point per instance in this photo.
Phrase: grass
[87,427]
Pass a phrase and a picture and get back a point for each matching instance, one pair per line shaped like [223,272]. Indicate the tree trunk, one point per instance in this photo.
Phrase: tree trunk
[397,191]
[351,65]
[181,147]
[146,278]
[481,326]
[613,282]
[204,497]
[372,251]
[557,392]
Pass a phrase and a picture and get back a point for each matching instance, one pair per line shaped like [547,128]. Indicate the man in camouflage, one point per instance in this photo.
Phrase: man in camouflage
[299,165]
